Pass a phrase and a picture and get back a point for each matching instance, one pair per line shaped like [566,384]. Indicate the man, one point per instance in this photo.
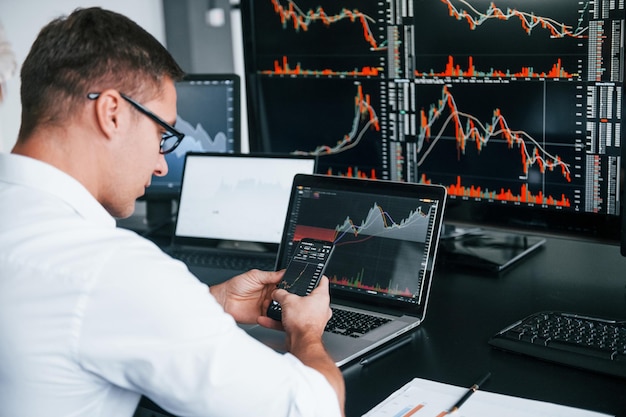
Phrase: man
[91,316]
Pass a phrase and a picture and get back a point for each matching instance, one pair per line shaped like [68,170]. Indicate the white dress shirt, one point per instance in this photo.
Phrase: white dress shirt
[93,316]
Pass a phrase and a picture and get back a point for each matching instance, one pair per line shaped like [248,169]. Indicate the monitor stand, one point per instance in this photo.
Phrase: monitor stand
[484,250]
[160,215]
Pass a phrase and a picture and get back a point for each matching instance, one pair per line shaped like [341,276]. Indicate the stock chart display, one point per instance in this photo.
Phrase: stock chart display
[382,244]
[513,102]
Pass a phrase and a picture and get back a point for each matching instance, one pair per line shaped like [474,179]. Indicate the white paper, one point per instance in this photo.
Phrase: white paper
[424,398]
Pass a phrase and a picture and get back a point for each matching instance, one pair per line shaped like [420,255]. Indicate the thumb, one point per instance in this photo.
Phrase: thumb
[322,287]
[280,295]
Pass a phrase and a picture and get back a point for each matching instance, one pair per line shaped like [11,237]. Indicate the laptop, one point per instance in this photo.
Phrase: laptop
[386,236]
[231,211]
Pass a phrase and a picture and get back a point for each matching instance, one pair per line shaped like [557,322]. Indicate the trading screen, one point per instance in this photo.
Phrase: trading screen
[504,102]
[380,241]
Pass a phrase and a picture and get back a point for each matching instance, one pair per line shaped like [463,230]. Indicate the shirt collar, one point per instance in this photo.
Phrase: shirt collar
[43,177]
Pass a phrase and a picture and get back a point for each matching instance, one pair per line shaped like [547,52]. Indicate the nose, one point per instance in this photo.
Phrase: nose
[161,168]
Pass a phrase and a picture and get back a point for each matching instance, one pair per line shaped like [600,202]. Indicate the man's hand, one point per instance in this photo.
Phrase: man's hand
[304,320]
[247,296]
[304,316]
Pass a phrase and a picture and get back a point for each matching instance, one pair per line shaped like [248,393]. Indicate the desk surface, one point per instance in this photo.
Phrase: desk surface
[467,308]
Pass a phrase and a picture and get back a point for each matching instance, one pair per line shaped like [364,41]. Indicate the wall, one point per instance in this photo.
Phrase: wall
[200,47]
[197,45]
[22,21]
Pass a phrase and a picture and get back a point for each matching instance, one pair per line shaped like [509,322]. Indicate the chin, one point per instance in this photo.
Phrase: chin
[126,213]
[122,214]
[120,211]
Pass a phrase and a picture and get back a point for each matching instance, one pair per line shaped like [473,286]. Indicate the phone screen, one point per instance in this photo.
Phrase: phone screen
[304,270]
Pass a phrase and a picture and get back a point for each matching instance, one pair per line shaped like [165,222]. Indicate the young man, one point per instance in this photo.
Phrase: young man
[91,316]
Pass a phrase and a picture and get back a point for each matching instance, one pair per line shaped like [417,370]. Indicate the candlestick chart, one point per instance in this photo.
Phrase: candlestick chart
[345,133]
[301,20]
[524,40]
[364,118]
[507,103]
[518,111]
[504,162]
[529,21]
[481,134]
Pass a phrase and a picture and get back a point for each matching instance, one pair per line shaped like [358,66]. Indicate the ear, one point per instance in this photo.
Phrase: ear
[108,112]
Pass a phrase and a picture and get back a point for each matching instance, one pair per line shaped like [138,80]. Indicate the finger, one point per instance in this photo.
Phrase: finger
[280,295]
[322,287]
[321,290]
[270,323]
[268,277]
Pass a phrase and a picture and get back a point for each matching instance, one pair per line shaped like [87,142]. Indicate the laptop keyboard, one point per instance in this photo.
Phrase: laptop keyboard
[241,262]
[353,324]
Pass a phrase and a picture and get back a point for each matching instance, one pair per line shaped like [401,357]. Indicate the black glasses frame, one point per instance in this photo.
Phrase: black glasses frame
[170,131]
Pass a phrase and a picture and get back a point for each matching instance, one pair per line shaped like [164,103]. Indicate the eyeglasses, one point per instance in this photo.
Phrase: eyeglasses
[170,139]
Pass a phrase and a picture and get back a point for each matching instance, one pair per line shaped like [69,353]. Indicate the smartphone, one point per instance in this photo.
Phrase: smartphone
[304,271]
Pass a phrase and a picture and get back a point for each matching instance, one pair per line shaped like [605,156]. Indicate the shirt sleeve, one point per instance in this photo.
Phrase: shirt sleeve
[151,327]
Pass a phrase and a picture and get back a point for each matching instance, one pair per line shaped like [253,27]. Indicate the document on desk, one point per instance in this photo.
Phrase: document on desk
[424,398]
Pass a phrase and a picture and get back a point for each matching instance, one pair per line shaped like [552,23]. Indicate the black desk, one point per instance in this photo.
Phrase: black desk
[467,308]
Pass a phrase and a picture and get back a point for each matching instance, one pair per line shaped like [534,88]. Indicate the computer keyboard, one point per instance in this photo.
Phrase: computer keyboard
[591,343]
[352,323]
[241,262]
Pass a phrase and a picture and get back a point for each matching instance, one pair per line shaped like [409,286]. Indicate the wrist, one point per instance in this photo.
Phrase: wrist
[305,343]
[218,292]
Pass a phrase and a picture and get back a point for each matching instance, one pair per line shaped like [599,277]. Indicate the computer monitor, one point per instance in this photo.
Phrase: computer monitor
[516,107]
[209,114]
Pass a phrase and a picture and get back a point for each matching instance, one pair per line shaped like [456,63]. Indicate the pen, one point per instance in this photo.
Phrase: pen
[375,356]
[469,393]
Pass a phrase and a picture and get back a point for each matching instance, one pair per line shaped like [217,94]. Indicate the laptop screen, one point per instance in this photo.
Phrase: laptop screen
[385,234]
[237,197]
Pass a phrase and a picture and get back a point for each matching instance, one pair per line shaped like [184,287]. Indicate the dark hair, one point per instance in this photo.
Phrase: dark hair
[90,50]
